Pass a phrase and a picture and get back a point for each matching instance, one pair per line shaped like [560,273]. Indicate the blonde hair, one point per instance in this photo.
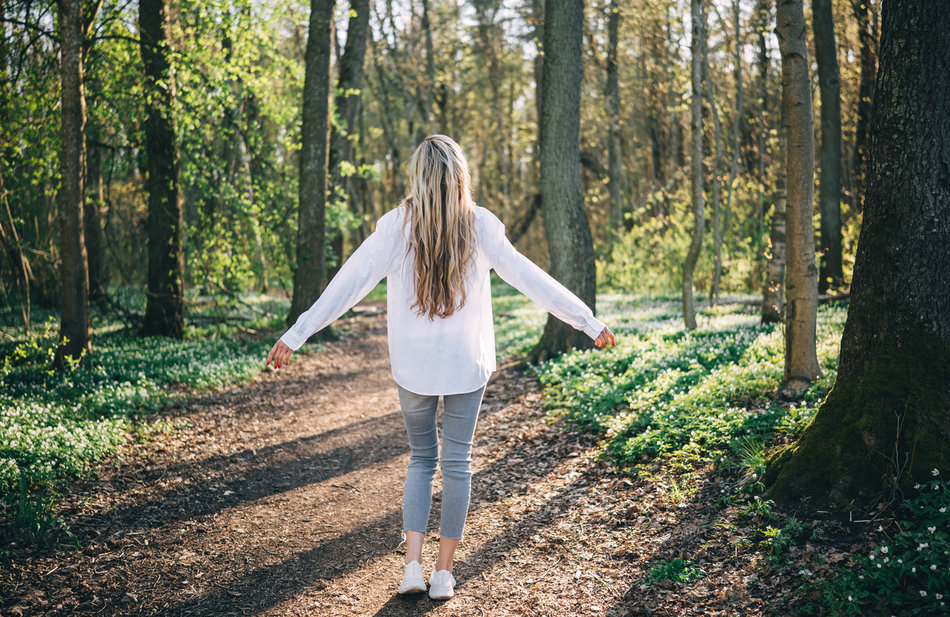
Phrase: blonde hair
[442,225]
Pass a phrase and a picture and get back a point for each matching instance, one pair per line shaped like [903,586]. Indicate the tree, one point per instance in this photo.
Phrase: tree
[92,216]
[346,103]
[773,295]
[165,308]
[570,245]
[867,35]
[736,147]
[761,18]
[830,275]
[716,179]
[310,272]
[612,94]
[696,163]
[74,321]
[801,274]
[885,424]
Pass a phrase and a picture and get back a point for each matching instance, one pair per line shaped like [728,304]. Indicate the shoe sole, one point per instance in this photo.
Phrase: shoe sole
[448,596]
[413,589]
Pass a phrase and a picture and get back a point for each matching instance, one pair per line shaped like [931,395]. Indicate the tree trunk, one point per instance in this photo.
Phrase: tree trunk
[830,275]
[346,104]
[737,141]
[10,245]
[717,181]
[773,295]
[74,322]
[615,159]
[92,217]
[763,156]
[696,164]
[886,423]
[310,271]
[570,244]
[164,309]
[868,41]
[801,274]
[537,13]
[426,92]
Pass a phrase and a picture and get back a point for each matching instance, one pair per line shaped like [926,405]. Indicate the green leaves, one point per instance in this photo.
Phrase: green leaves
[683,397]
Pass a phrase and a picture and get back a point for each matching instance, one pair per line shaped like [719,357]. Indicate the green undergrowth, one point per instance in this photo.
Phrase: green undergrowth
[908,574]
[684,398]
[59,426]
[669,404]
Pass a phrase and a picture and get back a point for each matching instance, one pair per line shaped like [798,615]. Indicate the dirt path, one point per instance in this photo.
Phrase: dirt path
[284,498]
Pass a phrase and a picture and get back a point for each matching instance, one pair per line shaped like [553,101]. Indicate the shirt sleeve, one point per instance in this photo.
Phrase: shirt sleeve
[543,289]
[365,268]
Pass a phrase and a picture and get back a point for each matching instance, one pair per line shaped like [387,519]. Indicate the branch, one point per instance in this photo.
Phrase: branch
[522,226]
[29,26]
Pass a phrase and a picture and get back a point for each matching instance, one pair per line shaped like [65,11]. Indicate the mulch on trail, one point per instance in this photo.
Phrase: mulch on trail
[283,497]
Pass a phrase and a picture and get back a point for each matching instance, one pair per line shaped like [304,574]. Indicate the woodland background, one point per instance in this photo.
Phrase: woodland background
[179,180]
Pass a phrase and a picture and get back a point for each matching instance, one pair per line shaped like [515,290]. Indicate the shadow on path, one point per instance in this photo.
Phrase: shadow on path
[262,588]
[274,469]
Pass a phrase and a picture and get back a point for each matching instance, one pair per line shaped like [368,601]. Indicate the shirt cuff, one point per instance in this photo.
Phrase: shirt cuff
[293,339]
[594,327]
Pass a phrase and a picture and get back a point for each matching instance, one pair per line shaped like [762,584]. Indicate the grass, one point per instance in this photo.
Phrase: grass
[675,571]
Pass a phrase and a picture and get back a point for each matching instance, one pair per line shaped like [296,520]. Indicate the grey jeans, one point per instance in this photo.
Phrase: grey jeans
[458,428]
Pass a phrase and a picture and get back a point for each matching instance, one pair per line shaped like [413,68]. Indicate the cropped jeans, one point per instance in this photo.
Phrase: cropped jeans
[458,428]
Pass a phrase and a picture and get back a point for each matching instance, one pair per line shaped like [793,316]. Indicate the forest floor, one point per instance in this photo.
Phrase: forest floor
[283,497]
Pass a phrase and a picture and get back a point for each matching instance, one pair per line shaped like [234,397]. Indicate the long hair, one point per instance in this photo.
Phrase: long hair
[442,225]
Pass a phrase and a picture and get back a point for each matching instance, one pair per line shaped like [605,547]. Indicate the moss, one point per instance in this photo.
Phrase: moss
[887,429]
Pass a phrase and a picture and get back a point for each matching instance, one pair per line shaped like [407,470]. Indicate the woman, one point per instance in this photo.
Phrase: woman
[437,249]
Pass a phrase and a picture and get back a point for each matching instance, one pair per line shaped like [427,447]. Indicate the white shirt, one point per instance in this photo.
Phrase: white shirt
[451,355]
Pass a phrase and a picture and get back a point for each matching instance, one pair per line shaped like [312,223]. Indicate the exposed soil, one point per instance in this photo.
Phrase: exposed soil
[283,497]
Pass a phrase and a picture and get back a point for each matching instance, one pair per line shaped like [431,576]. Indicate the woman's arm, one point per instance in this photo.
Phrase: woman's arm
[358,276]
[525,276]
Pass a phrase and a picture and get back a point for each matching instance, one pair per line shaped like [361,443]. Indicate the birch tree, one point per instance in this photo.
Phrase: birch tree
[697,19]
[801,273]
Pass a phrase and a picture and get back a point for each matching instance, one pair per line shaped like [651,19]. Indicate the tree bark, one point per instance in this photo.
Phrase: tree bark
[566,226]
[698,19]
[763,156]
[867,37]
[886,423]
[425,93]
[310,272]
[164,309]
[92,217]
[773,295]
[737,142]
[614,153]
[346,104]
[801,273]
[830,275]
[717,181]
[74,321]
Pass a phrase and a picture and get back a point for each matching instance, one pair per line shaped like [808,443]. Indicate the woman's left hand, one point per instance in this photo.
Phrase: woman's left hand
[279,354]
[605,337]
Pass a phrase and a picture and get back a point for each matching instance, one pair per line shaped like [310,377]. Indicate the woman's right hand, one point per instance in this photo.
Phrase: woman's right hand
[279,354]
[605,337]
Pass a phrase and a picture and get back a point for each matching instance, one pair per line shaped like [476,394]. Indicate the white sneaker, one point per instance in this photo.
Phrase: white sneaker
[441,584]
[412,581]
